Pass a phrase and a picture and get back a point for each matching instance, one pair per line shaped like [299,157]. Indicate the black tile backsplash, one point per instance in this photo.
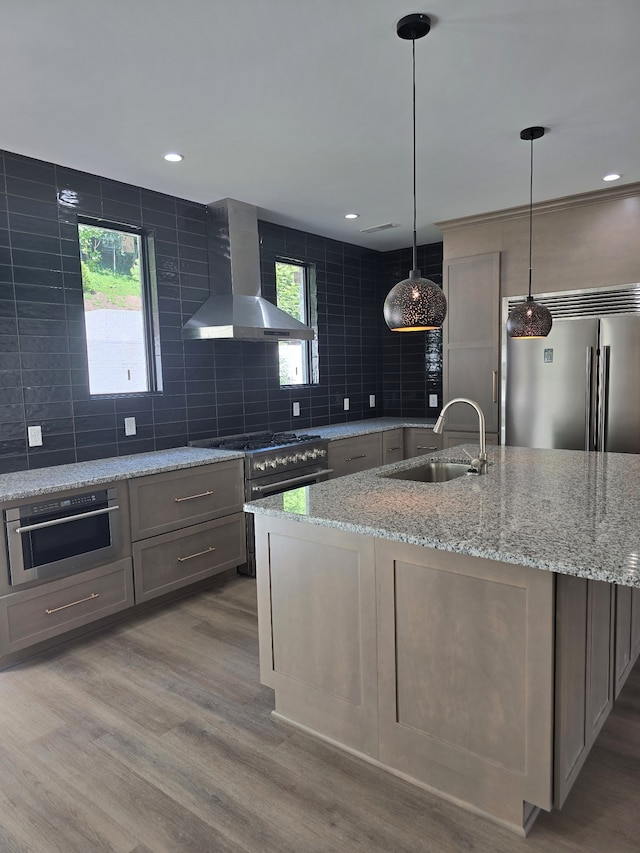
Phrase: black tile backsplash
[209,387]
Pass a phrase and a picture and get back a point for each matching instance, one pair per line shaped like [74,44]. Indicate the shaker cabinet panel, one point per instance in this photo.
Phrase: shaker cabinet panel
[419,441]
[349,455]
[392,446]
[173,560]
[46,611]
[471,338]
[169,501]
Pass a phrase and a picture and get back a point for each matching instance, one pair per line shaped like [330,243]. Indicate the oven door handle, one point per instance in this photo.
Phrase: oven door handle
[307,478]
[68,518]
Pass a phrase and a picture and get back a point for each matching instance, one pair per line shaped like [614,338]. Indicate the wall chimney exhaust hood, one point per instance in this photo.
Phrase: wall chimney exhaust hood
[235,309]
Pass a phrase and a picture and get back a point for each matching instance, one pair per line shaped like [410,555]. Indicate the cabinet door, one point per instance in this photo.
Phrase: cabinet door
[164,502]
[173,560]
[471,338]
[452,439]
[627,633]
[33,615]
[349,455]
[419,441]
[584,673]
[392,446]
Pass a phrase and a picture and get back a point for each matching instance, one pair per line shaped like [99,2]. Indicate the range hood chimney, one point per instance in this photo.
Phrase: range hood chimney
[235,309]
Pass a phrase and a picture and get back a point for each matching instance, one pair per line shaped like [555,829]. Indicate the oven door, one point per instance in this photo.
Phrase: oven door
[275,484]
[74,535]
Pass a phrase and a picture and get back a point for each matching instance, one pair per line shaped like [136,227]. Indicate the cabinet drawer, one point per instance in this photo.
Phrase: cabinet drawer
[392,446]
[173,560]
[164,502]
[419,441]
[45,611]
[348,455]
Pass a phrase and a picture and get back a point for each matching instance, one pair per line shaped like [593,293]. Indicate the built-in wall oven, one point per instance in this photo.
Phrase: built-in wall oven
[63,535]
[274,463]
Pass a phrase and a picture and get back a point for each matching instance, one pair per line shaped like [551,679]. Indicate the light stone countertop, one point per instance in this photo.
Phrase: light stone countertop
[43,481]
[355,428]
[564,511]
[21,485]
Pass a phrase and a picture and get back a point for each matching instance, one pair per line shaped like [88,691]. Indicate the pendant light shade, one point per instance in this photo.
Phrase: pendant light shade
[530,319]
[415,304]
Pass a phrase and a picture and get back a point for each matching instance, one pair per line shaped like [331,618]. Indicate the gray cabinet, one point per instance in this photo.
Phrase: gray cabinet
[419,441]
[46,611]
[164,502]
[392,446]
[173,560]
[186,525]
[349,455]
[627,633]
[471,339]
[585,632]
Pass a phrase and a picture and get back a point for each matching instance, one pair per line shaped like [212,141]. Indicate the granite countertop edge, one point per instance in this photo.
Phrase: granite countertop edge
[22,485]
[560,511]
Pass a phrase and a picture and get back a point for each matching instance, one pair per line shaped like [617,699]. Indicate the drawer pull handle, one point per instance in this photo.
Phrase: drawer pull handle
[422,447]
[351,458]
[193,497]
[72,603]
[199,554]
[391,449]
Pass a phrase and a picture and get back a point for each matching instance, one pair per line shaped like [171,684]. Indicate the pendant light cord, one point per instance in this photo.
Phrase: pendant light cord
[415,250]
[530,214]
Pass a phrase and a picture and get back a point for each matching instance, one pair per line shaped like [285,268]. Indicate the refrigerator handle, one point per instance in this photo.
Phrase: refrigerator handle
[603,399]
[588,438]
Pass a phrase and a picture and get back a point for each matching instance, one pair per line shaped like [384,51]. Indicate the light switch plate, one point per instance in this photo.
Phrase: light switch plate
[296,410]
[35,436]
[129,426]
[372,401]
[346,404]
[433,401]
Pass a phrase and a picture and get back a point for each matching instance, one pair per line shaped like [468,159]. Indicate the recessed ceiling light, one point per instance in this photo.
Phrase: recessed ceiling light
[614,176]
[172,157]
[351,215]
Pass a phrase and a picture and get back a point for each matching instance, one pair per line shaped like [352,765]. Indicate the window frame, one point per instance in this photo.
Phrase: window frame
[310,318]
[150,306]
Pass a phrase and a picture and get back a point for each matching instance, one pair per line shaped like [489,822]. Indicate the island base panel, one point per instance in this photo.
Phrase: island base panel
[437,666]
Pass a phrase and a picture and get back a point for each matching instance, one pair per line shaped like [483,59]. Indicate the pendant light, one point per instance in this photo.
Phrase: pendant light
[415,304]
[530,319]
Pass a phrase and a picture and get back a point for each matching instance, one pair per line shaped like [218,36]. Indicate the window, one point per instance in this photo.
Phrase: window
[119,315]
[296,294]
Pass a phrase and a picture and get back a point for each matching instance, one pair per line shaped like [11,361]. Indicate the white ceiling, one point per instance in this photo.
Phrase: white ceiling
[303,107]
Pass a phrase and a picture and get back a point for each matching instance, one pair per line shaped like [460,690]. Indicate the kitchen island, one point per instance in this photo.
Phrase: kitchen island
[465,635]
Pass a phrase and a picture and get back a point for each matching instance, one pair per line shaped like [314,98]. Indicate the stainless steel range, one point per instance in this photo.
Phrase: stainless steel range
[274,463]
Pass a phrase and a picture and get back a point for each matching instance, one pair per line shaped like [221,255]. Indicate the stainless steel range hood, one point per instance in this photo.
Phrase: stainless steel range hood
[235,309]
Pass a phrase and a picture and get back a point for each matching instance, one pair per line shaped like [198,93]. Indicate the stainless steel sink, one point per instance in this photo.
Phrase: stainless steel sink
[432,472]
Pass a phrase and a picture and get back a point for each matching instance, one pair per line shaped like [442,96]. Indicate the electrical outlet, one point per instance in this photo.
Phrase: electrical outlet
[372,401]
[296,410]
[433,401]
[129,426]
[35,436]
[345,404]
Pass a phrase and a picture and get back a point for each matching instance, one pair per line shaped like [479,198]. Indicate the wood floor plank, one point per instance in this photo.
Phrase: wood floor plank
[156,737]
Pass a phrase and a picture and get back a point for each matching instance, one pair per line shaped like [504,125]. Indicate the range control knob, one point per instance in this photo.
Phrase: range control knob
[281,460]
[260,466]
[272,463]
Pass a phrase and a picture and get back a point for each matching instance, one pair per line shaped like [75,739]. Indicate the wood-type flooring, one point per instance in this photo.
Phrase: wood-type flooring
[155,735]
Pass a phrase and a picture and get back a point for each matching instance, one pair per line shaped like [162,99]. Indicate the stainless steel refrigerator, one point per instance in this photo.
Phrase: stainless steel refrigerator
[579,388]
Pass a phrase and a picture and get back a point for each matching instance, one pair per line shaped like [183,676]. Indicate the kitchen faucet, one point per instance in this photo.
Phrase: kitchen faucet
[479,464]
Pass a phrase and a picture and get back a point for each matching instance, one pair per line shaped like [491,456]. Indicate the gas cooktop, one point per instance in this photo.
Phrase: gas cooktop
[254,441]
